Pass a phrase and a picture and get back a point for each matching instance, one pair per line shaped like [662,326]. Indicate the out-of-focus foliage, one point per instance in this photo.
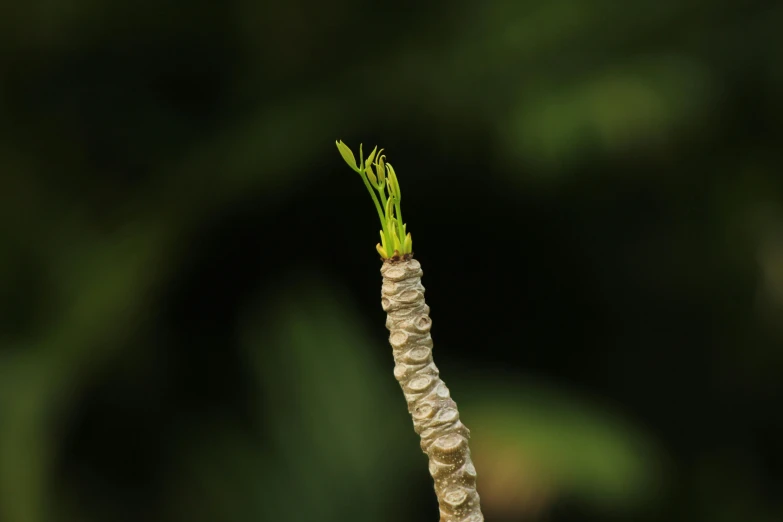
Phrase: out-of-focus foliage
[535,445]
[336,422]
[190,325]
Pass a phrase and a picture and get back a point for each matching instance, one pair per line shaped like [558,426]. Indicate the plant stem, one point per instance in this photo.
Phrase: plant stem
[444,439]
[400,231]
[374,197]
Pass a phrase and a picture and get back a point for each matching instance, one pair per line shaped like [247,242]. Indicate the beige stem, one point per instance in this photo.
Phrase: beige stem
[435,417]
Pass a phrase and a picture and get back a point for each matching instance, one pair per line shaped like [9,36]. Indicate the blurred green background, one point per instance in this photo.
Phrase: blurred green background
[190,325]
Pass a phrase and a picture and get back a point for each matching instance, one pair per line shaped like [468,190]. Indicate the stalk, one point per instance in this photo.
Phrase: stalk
[444,439]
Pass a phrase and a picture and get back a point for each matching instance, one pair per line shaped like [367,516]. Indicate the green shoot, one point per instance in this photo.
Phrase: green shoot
[395,240]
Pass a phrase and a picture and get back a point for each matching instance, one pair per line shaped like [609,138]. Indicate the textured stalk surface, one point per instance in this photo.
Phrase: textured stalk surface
[444,439]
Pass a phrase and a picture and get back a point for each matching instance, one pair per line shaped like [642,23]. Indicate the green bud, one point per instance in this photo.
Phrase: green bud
[408,247]
[393,182]
[381,251]
[389,210]
[397,245]
[347,154]
[370,175]
[371,157]
[380,165]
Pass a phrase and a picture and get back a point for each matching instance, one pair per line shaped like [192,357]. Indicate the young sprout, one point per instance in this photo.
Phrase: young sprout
[396,242]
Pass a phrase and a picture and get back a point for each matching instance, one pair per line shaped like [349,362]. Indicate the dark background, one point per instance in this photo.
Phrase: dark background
[190,320]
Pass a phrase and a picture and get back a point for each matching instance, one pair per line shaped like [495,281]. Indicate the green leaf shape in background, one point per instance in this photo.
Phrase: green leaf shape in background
[640,103]
[339,445]
[534,444]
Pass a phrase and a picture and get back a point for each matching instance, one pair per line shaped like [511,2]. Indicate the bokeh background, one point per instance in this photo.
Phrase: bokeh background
[190,320]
